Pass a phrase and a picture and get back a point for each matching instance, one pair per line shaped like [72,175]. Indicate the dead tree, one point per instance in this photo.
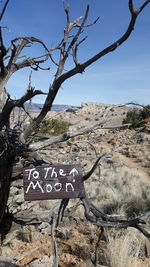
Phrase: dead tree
[14,143]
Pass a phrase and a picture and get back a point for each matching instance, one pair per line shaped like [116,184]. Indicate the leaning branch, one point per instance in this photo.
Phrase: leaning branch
[90,128]
[98,218]
[67,135]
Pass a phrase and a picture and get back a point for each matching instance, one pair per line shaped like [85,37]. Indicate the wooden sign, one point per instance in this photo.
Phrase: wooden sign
[53,182]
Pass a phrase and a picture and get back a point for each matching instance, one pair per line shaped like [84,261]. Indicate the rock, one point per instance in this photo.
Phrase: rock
[10,236]
[44,261]
[19,198]
[35,236]
[7,264]
[142,137]
[45,227]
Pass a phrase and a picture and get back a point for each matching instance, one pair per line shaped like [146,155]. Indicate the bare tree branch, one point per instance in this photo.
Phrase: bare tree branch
[100,219]
[3,50]
[112,47]
[80,29]
[67,135]
[62,207]
[17,49]
[143,6]
[53,241]
[29,95]
[11,104]
[98,246]
[131,6]
[60,77]
[67,13]
[134,104]
[75,50]
[4,9]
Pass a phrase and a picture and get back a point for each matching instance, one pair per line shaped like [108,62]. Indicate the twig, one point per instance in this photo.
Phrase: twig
[104,156]
[62,207]
[98,245]
[54,243]
[3,10]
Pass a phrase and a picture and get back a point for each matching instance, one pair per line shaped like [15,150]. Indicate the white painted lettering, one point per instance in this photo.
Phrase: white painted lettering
[30,171]
[47,170]
[34,186]
[70,186]
[48,188]
[58,187]
[73,172]
[35,174]
[54,173]
[61,172]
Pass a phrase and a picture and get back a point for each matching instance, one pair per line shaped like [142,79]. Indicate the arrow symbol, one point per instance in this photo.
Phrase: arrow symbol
[73,172]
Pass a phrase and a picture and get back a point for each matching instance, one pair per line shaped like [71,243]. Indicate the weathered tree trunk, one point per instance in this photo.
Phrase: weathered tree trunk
[6,163]
[3,97]
[3,91]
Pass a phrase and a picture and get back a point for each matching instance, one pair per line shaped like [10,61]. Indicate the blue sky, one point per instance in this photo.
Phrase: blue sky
[121,76]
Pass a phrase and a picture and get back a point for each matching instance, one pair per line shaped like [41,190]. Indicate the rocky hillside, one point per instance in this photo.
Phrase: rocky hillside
[91,113]
[120,185]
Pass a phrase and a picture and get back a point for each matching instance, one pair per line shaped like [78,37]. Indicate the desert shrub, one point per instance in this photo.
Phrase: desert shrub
[144,113]
[135,116]
[132,117]
[124,248]
[53,127]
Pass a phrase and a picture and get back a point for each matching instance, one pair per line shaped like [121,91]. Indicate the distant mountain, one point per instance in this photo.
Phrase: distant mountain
[60,107]
[37,107]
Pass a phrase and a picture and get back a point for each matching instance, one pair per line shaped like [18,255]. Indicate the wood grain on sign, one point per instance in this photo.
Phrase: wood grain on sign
[53,182]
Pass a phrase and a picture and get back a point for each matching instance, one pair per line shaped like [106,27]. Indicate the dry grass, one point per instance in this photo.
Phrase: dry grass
[120,189]
[124,190]
[124,248]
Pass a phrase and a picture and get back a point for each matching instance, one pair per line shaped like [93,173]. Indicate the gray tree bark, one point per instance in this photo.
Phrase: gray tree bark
[6,164]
